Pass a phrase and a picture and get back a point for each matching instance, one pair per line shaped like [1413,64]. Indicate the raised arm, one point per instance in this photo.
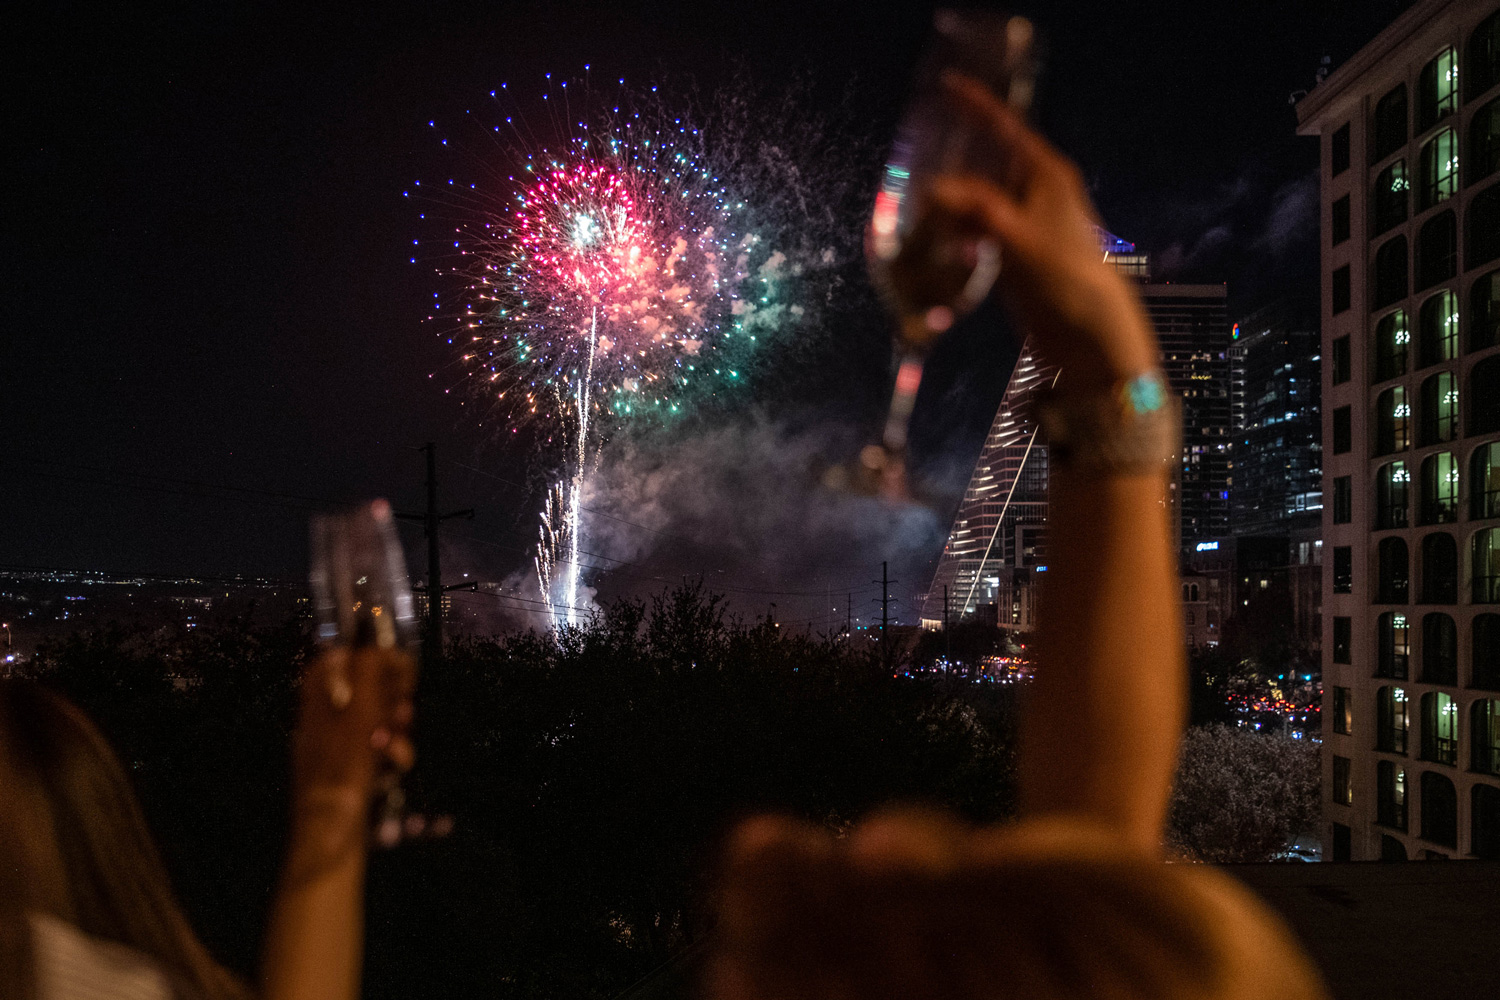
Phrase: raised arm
[1101,728]
[355,711]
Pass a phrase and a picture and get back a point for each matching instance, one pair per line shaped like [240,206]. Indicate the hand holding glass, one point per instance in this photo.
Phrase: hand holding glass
[928,273]
[361,599]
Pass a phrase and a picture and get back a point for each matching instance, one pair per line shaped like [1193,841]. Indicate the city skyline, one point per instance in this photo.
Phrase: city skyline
[216,335]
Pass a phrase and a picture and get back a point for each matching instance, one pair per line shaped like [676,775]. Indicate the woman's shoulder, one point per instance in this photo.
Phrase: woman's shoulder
[72,965]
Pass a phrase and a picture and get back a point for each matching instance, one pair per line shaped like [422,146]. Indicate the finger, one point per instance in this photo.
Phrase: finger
[977,204]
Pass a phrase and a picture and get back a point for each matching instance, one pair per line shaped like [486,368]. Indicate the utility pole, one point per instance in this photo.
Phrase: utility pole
[849,616]
[885,600]
[430,520]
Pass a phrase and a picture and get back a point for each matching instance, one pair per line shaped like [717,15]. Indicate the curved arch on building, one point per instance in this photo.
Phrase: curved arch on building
[1392,722]
[1392,500]
[1439,408]
[1440,728]
[1439,489]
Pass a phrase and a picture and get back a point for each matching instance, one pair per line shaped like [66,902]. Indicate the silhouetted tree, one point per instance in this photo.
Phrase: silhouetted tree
[591,773]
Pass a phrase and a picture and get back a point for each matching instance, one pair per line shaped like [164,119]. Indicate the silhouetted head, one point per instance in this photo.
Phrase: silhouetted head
[74,845]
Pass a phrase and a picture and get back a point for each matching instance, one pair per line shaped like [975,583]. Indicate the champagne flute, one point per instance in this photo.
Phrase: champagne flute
[361,599]
[928,273]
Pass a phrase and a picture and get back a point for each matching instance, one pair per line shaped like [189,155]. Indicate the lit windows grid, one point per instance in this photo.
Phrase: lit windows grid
[1442,456]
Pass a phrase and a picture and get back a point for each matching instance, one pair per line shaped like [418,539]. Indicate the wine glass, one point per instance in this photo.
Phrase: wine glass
[928,273]
[362,598]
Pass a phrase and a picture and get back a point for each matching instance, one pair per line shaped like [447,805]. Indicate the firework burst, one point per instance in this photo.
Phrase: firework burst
[617,273]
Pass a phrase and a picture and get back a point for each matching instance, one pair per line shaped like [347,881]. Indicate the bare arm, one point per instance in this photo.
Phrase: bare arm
[315,941]
[1100,734]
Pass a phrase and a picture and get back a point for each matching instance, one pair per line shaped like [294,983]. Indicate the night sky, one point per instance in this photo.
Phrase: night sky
[208,283]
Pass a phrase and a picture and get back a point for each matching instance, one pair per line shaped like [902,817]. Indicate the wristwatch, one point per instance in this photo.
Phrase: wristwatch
[1134,427]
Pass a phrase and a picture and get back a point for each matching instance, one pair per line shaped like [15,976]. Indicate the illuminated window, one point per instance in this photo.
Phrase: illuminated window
[1393,580]
[1392,489]
[1484,56]
[1392,340]
[1343,711]
[1484,312]
[1484,142]
[1439,168]
[1393,646]
[1437,90]
[1484,731]
[1338,150]
[1484,396]
[1439,728]
[1388,206]
[1439,489]
[1390,795]
[1339,231]
[1392,421]
[1439,569]
[1483,225]
[1341,793]
[1439,408]
[1439,649]
[1484,481]
[1439,810]
[1390,123]
[1390,720]
[1390,273]
[1343,500]
[1437,326]
[1486,565]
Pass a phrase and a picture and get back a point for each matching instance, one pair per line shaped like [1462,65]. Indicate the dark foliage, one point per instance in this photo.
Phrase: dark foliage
[591,775]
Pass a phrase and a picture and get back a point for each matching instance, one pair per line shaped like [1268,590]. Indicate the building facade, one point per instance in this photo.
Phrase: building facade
[1276,472]
[1410,175]
[1192,326]
[996,547]
[995,556]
